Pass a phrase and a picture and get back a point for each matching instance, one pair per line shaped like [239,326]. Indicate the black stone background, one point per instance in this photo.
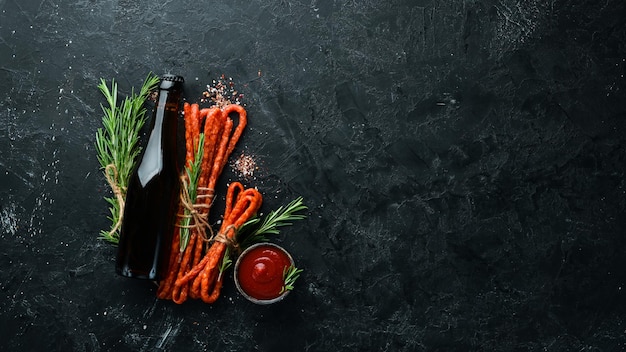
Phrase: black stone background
[463,162]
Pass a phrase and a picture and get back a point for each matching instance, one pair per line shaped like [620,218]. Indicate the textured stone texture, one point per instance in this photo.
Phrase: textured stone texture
[463,162]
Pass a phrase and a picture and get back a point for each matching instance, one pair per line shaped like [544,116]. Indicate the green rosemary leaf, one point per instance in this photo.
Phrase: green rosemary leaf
[280,217]
[193,174]
[290,275]
[117,140]
[248,226]
[226,263]
[114,211]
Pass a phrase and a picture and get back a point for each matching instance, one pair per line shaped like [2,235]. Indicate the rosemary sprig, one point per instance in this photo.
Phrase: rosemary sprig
[226,263]
[193,174]
[290,275]
[116,142]
[282,216]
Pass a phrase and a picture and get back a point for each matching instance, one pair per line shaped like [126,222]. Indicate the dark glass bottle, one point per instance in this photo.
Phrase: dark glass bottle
[153,192]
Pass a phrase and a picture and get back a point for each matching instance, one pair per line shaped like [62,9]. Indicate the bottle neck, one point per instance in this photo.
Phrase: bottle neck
[160,154]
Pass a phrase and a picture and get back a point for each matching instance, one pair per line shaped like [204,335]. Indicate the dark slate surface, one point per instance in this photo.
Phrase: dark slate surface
[463,162]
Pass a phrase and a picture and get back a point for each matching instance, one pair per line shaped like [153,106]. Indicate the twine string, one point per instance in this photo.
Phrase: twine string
[223,237]
[111,174]
[197,212]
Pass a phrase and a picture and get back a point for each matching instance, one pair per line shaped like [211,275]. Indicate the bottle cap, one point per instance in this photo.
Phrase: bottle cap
[169,81]
[173,78]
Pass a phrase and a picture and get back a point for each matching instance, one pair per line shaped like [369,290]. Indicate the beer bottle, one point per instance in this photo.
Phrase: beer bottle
[153,192]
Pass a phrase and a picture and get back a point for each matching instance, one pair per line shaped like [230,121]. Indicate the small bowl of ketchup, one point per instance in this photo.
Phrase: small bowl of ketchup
[259,272]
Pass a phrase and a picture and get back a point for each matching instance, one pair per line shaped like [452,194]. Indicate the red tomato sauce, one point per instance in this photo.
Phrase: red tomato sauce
[260,272]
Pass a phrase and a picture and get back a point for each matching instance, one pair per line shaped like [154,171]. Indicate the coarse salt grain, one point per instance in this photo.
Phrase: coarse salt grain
[245,165]
[221,92]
